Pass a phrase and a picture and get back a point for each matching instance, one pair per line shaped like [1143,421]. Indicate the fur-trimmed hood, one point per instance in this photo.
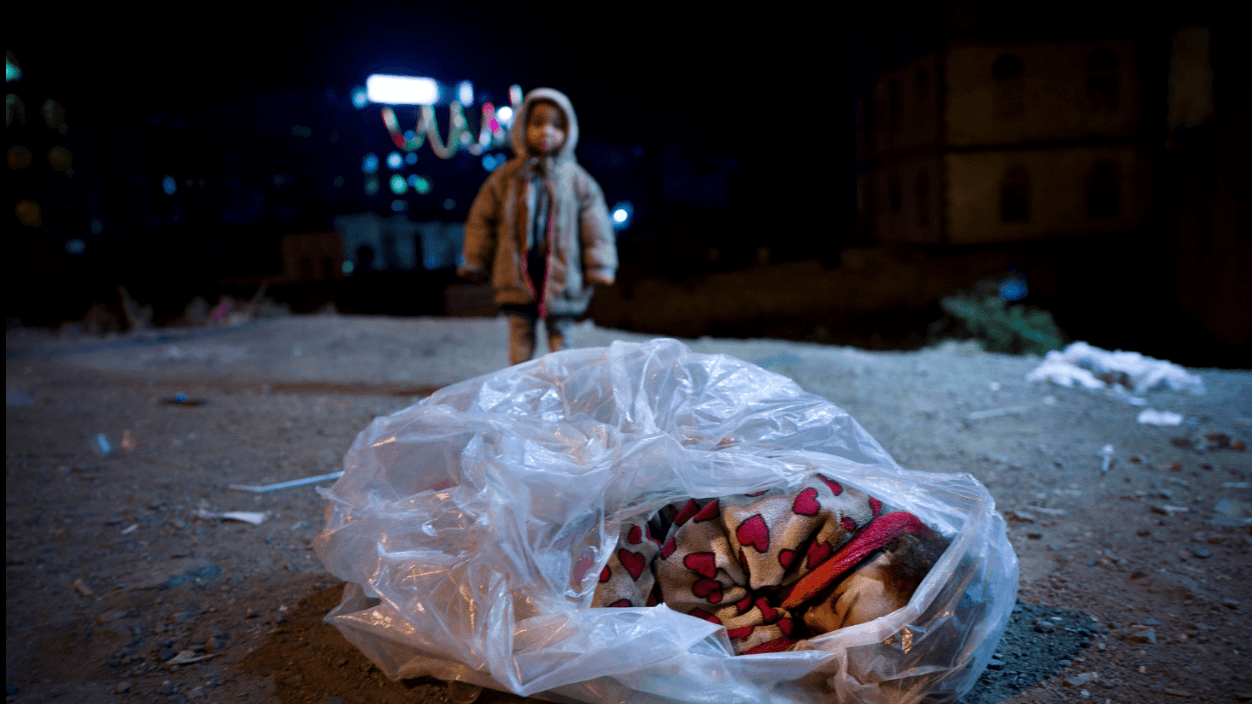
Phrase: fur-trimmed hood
[566,152]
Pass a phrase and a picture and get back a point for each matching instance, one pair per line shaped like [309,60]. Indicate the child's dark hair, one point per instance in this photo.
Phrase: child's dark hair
[912,557]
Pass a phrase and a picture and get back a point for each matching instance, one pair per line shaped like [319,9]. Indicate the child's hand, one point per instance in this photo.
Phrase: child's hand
[600,279]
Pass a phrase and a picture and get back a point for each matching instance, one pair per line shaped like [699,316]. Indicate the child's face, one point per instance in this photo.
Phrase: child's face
[545,129]
[860,598]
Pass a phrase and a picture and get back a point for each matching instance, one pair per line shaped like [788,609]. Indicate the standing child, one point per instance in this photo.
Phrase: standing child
[540,226]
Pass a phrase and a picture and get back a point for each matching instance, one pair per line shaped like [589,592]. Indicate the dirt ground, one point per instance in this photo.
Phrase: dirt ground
[1134,582]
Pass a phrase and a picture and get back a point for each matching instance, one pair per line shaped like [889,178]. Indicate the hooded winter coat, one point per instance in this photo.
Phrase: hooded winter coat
[579,236]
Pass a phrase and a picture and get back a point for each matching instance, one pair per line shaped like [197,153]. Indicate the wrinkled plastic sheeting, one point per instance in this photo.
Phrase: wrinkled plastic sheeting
[471,528]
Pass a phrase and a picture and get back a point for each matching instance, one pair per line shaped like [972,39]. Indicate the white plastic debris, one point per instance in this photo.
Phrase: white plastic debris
[253,517]
[1152,417]
[262,489]
[187,656]
[1107,454]
[1083,364]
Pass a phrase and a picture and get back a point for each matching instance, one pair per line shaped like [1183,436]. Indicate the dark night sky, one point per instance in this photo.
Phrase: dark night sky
[629,70]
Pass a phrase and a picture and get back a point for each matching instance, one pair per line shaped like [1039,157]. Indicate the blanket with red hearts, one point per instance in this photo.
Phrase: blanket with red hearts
[742,561]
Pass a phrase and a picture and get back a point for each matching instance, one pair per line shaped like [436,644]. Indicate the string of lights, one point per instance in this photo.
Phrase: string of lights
[491,134]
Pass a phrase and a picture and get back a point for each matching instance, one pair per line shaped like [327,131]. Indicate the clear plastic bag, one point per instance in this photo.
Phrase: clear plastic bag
[471,526]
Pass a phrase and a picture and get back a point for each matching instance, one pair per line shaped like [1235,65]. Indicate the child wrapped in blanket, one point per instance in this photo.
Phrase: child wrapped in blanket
[775,567]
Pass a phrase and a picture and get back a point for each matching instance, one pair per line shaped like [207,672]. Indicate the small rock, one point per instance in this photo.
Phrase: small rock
[111,616]
[1081,680]
[1043,626]
[1176,692]
[1151,622]
[1034,535]
[1147,635]
[1232,603]
[123,687]
[81,587]
[995,664]
[1201,552]
[1169,510]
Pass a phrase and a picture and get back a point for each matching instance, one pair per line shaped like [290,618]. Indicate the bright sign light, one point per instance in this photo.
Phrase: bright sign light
[401,90]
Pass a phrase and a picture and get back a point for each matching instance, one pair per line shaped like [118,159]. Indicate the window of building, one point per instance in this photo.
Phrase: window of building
[896,118]
[896,194]
[921,188]
[1010,96]
[1102,192]
[1015,195]
[1102,80]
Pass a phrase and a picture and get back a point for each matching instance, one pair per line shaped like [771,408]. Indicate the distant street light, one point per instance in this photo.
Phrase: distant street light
[621,215]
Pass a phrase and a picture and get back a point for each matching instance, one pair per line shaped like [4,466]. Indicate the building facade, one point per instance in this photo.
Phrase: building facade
[987,140]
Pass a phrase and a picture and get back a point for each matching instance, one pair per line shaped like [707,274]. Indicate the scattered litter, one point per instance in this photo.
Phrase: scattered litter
[187,656]
[1083,679]
[1153,417]
[1207,442]
[81,587]
[128,441]
[1107,454]
[1095,368]
[182,400]
[253,517]
[285,485]
[1169,510]
[130,529]
[102,445]
[1231,512]
[1049,511]
[996,412]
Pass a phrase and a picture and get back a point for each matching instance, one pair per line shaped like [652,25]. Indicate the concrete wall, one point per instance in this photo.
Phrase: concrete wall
[1054,90]
[1059,180]
[914,91]
[915,181]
